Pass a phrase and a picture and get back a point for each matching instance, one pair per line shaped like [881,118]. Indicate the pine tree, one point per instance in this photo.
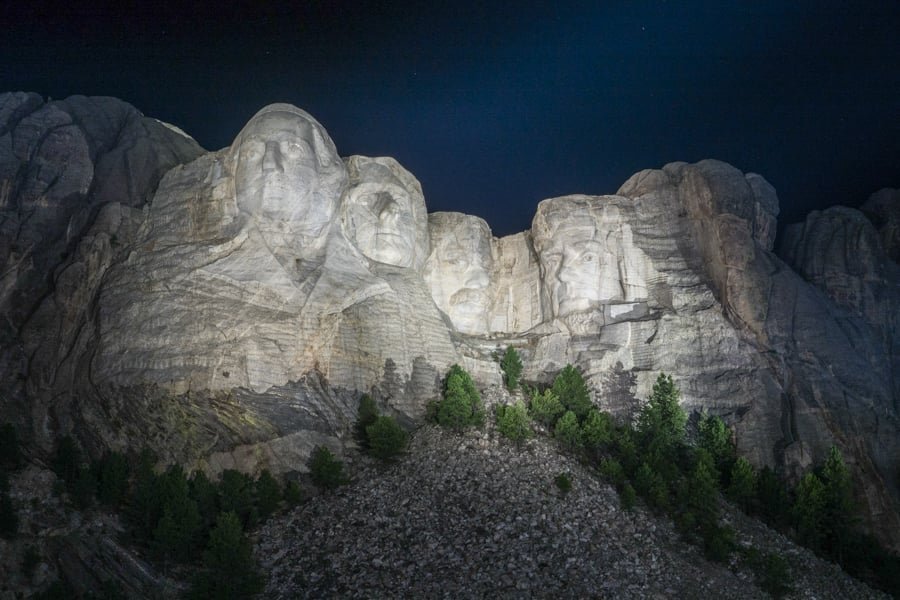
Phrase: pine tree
[365,416]
[113,484]
[567,430]
[9,518]
[597,430]
[326,470]
[546,408]
[742,488]
[229,569]
[839,505]
[268,494]
[513,422]
[10,453]
[715,438]
[809,511]
[772,499]
[703,491]
[386,437]
[511,365]
[461,405]
[175,533]
[661,422]
[572,391]
[236,495]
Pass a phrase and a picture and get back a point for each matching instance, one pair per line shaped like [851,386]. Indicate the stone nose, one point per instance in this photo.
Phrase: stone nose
[476,278]
[272,160]
[390,211]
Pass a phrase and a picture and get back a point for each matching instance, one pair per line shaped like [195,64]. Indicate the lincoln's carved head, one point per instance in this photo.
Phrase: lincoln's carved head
[458,269]
[287,170]
[383,212]
[585,253]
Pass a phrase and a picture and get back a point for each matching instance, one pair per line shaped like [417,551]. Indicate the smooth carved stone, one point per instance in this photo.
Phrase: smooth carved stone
[289,178]
[232,315]
[384,212]
[459,268]
[587,254]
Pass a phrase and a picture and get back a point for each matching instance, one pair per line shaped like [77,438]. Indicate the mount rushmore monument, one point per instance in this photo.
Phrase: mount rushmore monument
[227,309]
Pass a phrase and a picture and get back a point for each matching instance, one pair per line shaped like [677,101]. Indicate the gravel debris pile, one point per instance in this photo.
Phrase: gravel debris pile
[471,515]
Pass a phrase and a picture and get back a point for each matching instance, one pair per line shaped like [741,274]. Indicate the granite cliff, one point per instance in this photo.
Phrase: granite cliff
[227,308]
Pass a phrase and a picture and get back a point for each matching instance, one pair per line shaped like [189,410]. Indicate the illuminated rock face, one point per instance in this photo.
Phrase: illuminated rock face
[587,254]
[229,313]
[288,179]
[459,268]
[383,212]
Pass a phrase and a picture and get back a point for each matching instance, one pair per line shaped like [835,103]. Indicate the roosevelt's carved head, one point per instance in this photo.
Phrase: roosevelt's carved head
[584,248]
[287,171]
[458,269]
[383,212]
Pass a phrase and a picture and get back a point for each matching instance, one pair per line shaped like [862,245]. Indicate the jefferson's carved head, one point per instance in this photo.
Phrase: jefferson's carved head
[383,212]
[458,269]
[287,171]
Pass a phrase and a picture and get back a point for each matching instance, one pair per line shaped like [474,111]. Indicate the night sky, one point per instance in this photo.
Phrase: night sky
[494,109]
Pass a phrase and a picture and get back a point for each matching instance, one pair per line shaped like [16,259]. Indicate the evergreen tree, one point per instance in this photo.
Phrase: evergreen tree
[511,365]
[9,518]
[513,421]
[268,494]
[113,484]
[546,408]
[206,495]
[66,461]
[145,508]
[365,416]
[326,471]
[10,453]
[386,437]
[229,569]
[652,487]
[572,391]
[809,511]
[292,493]
[84,489]
[742,487]
[702,491]
[597,430]
[839,505]
[461,405]
[661,425]
[715,438]
[176,531]
[567,430]
[772,499]
[236,495]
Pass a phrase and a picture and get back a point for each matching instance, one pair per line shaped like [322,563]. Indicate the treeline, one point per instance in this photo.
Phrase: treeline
[654,459]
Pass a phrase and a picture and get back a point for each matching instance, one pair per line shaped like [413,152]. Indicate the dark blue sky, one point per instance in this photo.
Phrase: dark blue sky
[495,108]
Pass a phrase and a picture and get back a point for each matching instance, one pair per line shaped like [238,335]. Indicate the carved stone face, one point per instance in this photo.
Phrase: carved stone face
[287,171]
[383,212]
[458,270]
[586,255]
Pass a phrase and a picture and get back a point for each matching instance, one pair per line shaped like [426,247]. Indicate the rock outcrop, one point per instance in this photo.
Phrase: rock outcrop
[228,308]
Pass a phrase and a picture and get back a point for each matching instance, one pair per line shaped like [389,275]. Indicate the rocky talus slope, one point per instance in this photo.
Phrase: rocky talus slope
[472,515]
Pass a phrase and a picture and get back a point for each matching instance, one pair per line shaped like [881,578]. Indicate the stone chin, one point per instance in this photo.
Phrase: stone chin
[569,306]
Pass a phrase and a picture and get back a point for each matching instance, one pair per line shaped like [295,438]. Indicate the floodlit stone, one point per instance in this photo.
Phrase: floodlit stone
[458,270]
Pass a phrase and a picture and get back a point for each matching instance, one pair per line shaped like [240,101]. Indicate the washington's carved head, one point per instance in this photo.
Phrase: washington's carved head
[383,212]
[583,246]
[458,269]
[287,170]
